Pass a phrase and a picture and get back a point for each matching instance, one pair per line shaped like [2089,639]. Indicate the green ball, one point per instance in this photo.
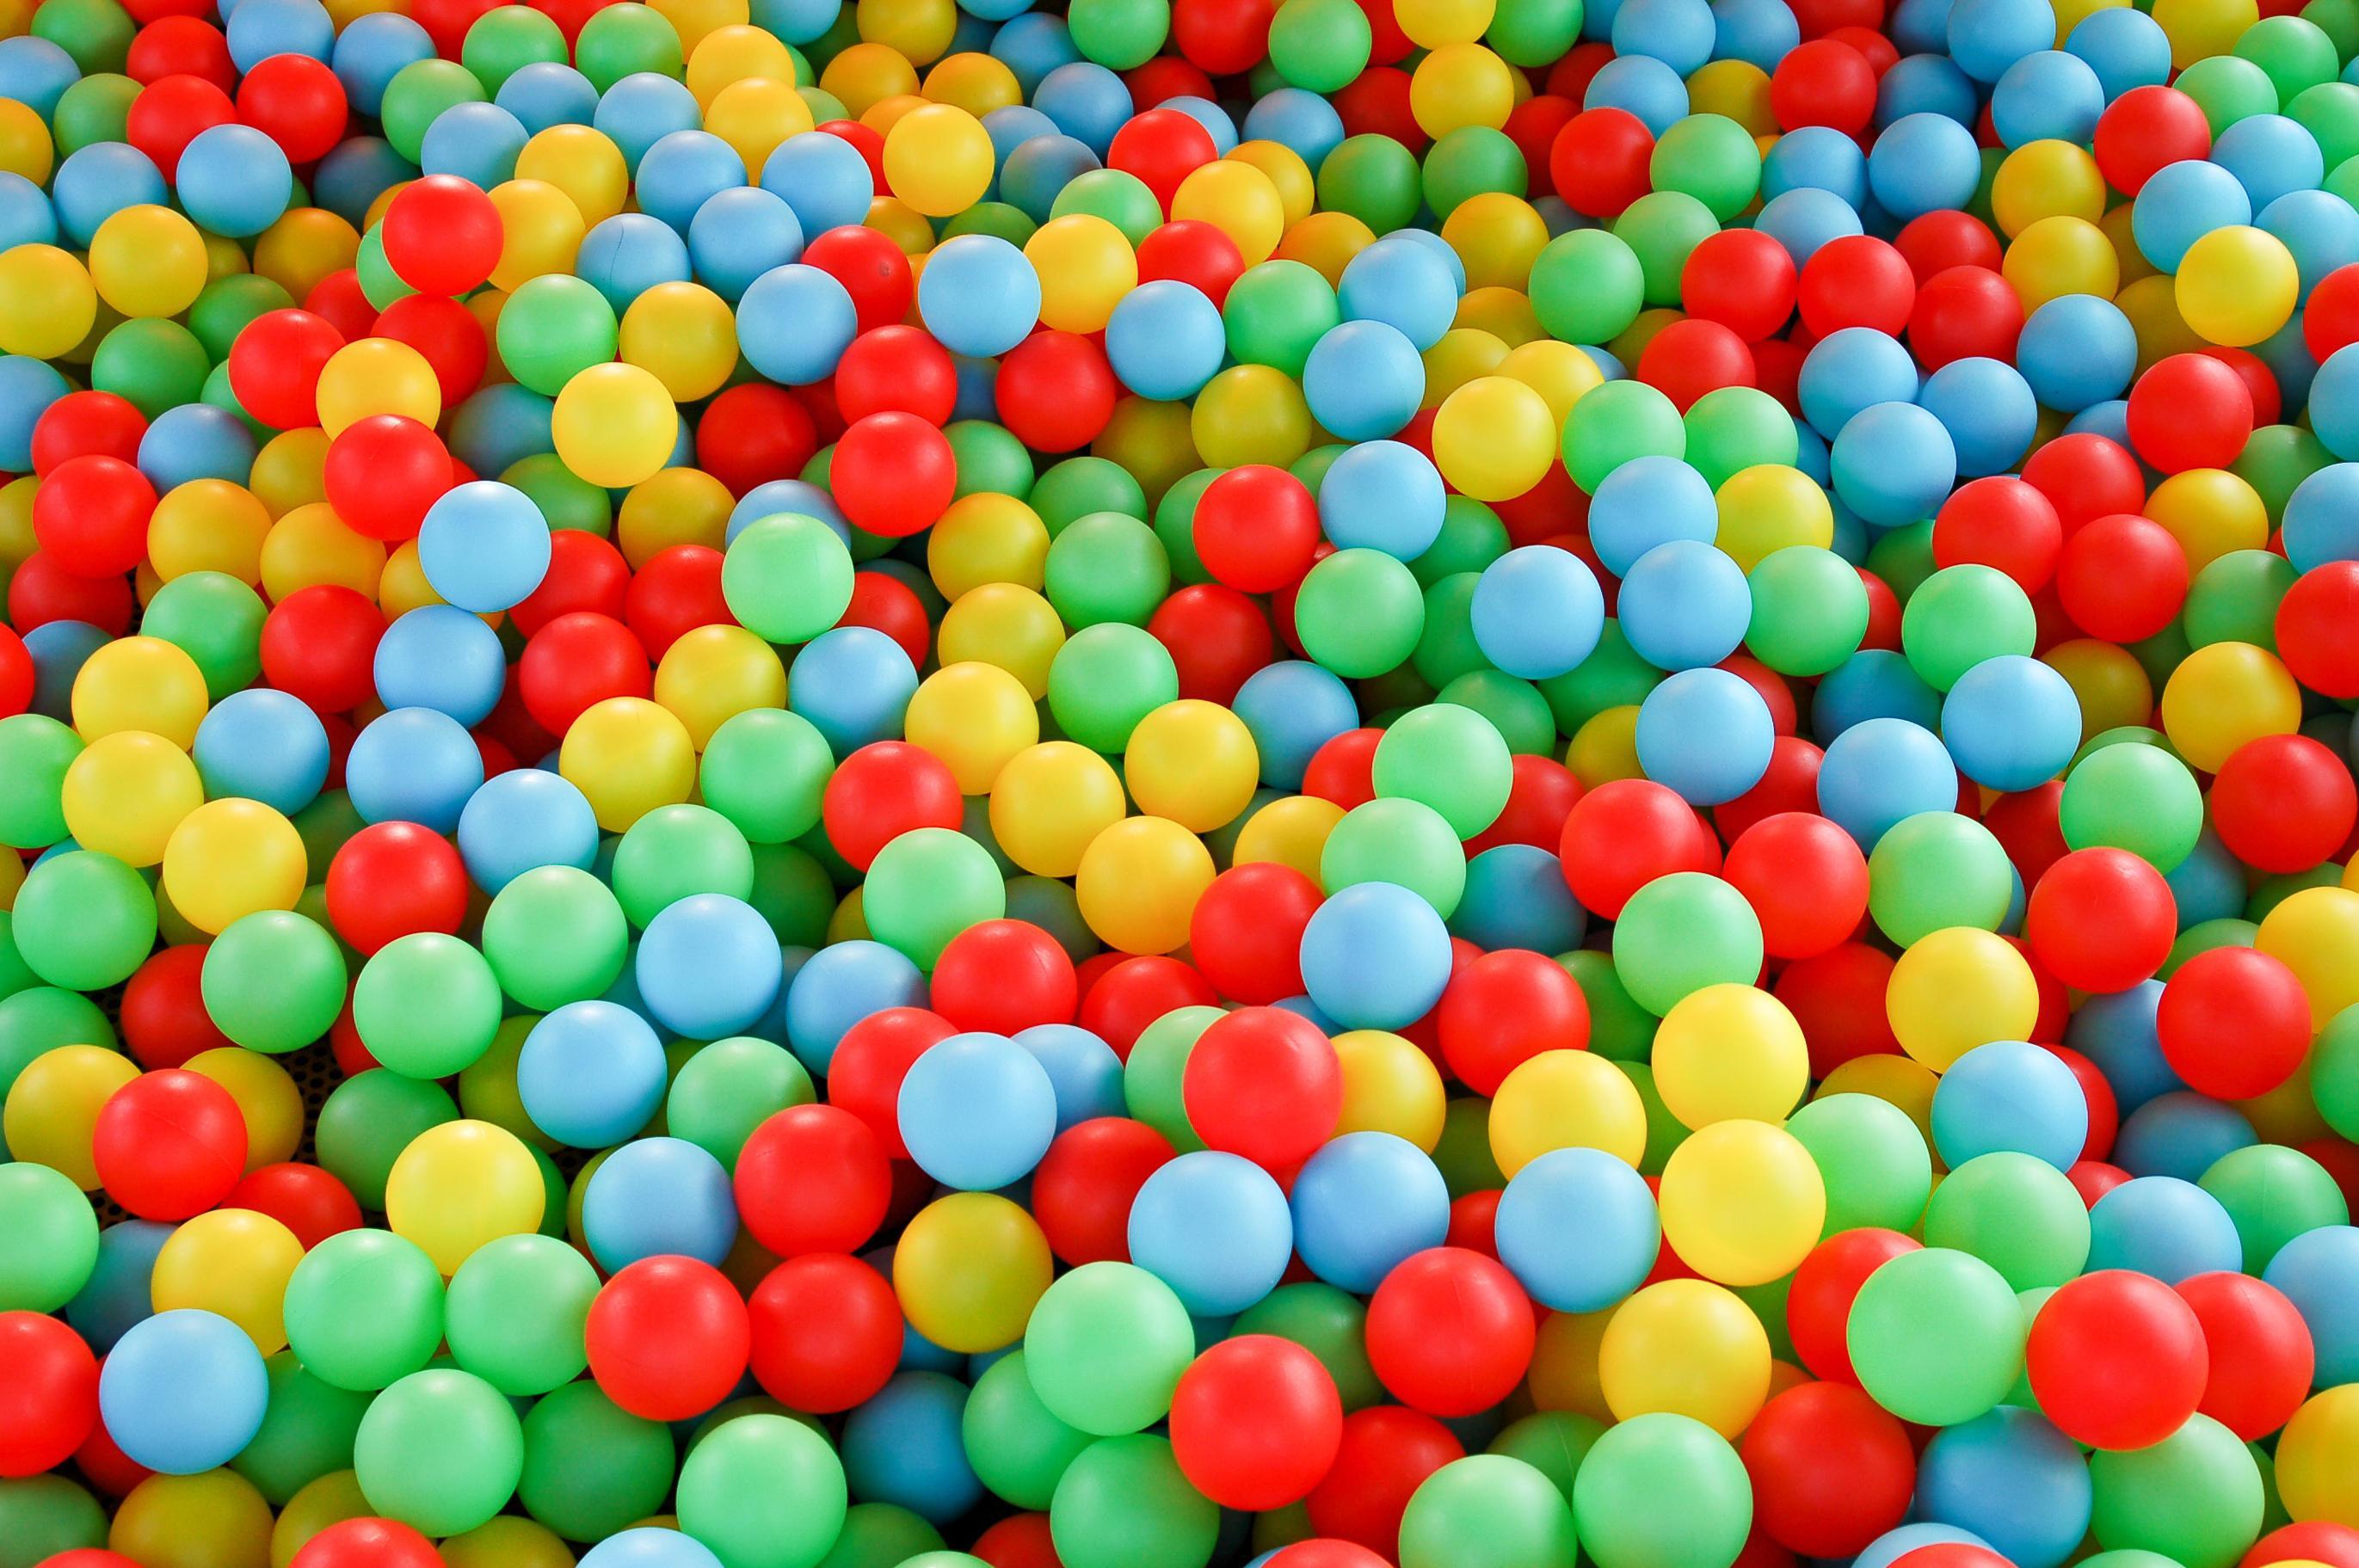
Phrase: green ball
[1619,1029]
[2330,113]
[217,621]
[1960,616]
[1613,675]
[365,1124]
[363,1309]
[1514,707]
[676,851]
[1463,1155]
[881,1535]
[42,1017]
[1681,933]
[1105,1346]
[2136,797]
[35,752]
[1587,286]
[1374,179]
[1000,222]
[1534,33]
[1015,1446]
[1663,227]
[1079,486]
[2335,1072]
[928,885]
[1904,557]
[505,39]
[786,577]
[621,40]
[1115,195]
[1121,35]
[730,1087]
[1330,1322]
[96,33]
[1554,1443]
[1404,842]
[2296,55]
[515,1310]
[1711,159]
[1935,869]
[1450,758]
[441,1450]
[1662,1491]
[380,285]
[1471,538]
[84,921]
[1870,1156]
[763,1489]
[426,1005]
[764,771]
[2195,1498]
[555,934]
[418,95]
[590,1467]
[1733,428]
[1617,422]
[552,326]
[95,109]
[792,890]
[225,308]
[1106,567]
[1157,1066]
[53,1236]
[2018,1213]
[989,460]
[1359,614]
[1123,1504]
[274,981]
[154,364]
[1935,1336]
[1486,1510]
[2234,599]
[1320,46]
[1175,523]
[41,1515]
[1276,313]
[1472,161]
[1810,611]
[1446,649]
[2274,1193]
[566,500]
[307,1431]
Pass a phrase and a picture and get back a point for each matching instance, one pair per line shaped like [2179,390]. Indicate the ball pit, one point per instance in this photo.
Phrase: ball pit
[1156,783]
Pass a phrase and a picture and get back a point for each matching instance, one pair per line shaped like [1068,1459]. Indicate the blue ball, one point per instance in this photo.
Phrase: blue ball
[795,21]
[774,496]
[683,170]
[2270,155]
[795,321]
[24,215]
[1893,464]
[1365,1202]
[2209,884]
[2319,228]
[1381,495]
[2321,517]
[28,388]
[656,1197]
[1375,955]
[2180,1134]
[623,256]
[1515,897]
[2116,1030]
[58,649]
[1082,1068]
[643,109]
[501,425]
[260,29]
[649,1546]
[1805,218]
[1642,85]
[1031,45]
[1403,285]
[1925,83]
[194,441]
[1707,734]
[2010,1096]
[2318,1272]
[737,235]
[2047,95]
[1852,370]
[1924,162]
[1888,1547]
[2334,409]
[856,686]
[2180,204]
[442,657]
[184,1391]
[1816,158]
[1011,125]
[117,1295]
[233,181]
[484,546]
[2164,1226]
[522,820]
[413,764]
[1291,708]
[372,50]
[979,295]
[2011,723]
[1679,33]
[903,1447]
[1883,770]
[1683,605]
[1299,119]
[591,1074]
[36,73]
[1538,611]
[709,965]
[1039,168]
[95,182]
[1646,502]
[1758,32]
[977,1111]
[263,745]
[2076,349]
[1363,380]
[1986,37]
[1211,116]
[1578,1229]
[1987,408]
[2126,51]
[824,179]
[1088,101]
[2013,1480]
[1215,1228]
[545,94]
[477,142]
[1165,340]
[841,984]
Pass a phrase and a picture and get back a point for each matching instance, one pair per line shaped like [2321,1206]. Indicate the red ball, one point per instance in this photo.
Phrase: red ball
[168,1144]
[48,1381]
[1160,148]
[305,1199]
[896,369]
[1449,1332]
[1055,391]
[1226,37]
[1533,126]
[90,516]
[319,644]
[813,1178]
[396,879]
[586,573]
[1002,976]
[872,269]
[2233,1022]
[173,111]
[441,234]
[1217,638]
[578,660]
[2261,1359]
[1384,1454]
[1166,77]
[340,301]
[881,791]
[446,335]
[1951,1554]
[754,433]
[1264,1082]
[180,45]
[1503,1008]
[667,1337]
[2311,1540]
[826,1333]
[2329,317]
[2318,629]
[366,1542]
[2122,578]
[2000,522]
[863,1076]
[1193,252]
[1818,1303]
[275,365]
[1625,833]
[1792,784]
[1343,769]
[1257,528]
[85,425]
[1600,162]
[1541,792]
[16,675]
[1838,999]
[299,102]
[1019,1540]
[1316,1553]
[677,591]
[1964,312]
[1805,878]
[164,1020]
[893,473]
[1082,1188]
[1831,1470]
[1690,358]
[1856,280]
[2189,411]
[2284,803]
[2084,476]
[1823,82]
[1133,992]
[2146,129]
[1936,242]
[383,472]
[1742,279]
[1246,933]
[2116,1359]
[42,591]
[2100,920]
[1256,1422]
[2104,1112]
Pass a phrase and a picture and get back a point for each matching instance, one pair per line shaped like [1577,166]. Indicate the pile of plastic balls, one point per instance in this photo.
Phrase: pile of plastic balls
[1177,784]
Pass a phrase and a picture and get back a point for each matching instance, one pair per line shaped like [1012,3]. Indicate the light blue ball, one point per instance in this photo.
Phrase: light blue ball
[2014,1479]
[1578,1230]
[2047,95]
[58,649]
[2116,1030]
[1291,708]
[1986,37]
[656,1197]
[709,965]
[2076,349]
[500,425]
[2180,204]
[1032,174]
[484,546]
[1921,163]
[1758,32]
[2270,155]
[524,819]
[591,1074]
[2318,228]
[795,321]
[737,235]
[1679,33]
[625,255]
[643,109]
[837,987]
[372,50]
[1365,1202]
[1889,1547]
[2334,406]
[1363,380]
[1852,370]
[413,764]
[1031,45]
[2164,1226]
[260,29]
[649,1546]
[1298,119]
[794,21]
[183,1390]
[1515,897]
[1988,409]
[117,1295]
[1215,1228]
[1925,83]
[2209,884]
[1375,955]
[1088,101]
[2011,723]
[1683,605]
[263,745]
[1641,85]
[545,94]
[477,142]
[1538,611]
[1083,1069]
[1893,464]
[903,1447]
[682,171]
[442,657]
[1649,501]
[2126,51]
[1403,285]
[856,685]
[1807,218]
[1165,340]
[1883,770]
[1707,734]
[2322,517]
[2180,1134]
[977,1111]
[1381,495]
[2318,1272]
[1816,158]
[95,182]
[979,295]
[24,215]
[2009,1097]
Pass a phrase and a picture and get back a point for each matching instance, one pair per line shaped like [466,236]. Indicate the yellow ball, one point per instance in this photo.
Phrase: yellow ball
[25,145]
[615,425]
[214,1519]
[1461,355]
[460,1184]
[233,1262]
[1956,989]
[324,1500]
[1730,1053]
[1288,175]
[1559,373]
[1389,1085]
[1689,1347]
[1005,624]
[1248,414]
[974,717]
[208,525]
[587,166]
[2059,255]
[713,672]
[1564,1375]
[377,375]
[509,1541]
[1085,266]
[938,158]
[734,53]
[54,1104]
[2225,694]
[266,1097]
[540,229]
[310,545]
[48,303]
[1566,1099]
[1155,443]
[139,683]
[2315,933]
[1460,85]
[2209,512]
[2106,678]
[917,30]
[126,792]
[303,247]
[1499,237]
[1606,747]
[674,506]
[1326,242]
[1050,802]
[1494,439]
[2237,285]
[2152,305]
[866,74]
[2046,180]
[975,82]
[627,756]
[755,116]
[2200,28]
[986,537]
[230,858]
[288,472]
[147,261]
[1768,507]
[1237,198]
[2318,1458]
[1506,313]
[1291,830]
[968,1270]
[1139,882]
[1193,762]
[1741,1202]
[685,336]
